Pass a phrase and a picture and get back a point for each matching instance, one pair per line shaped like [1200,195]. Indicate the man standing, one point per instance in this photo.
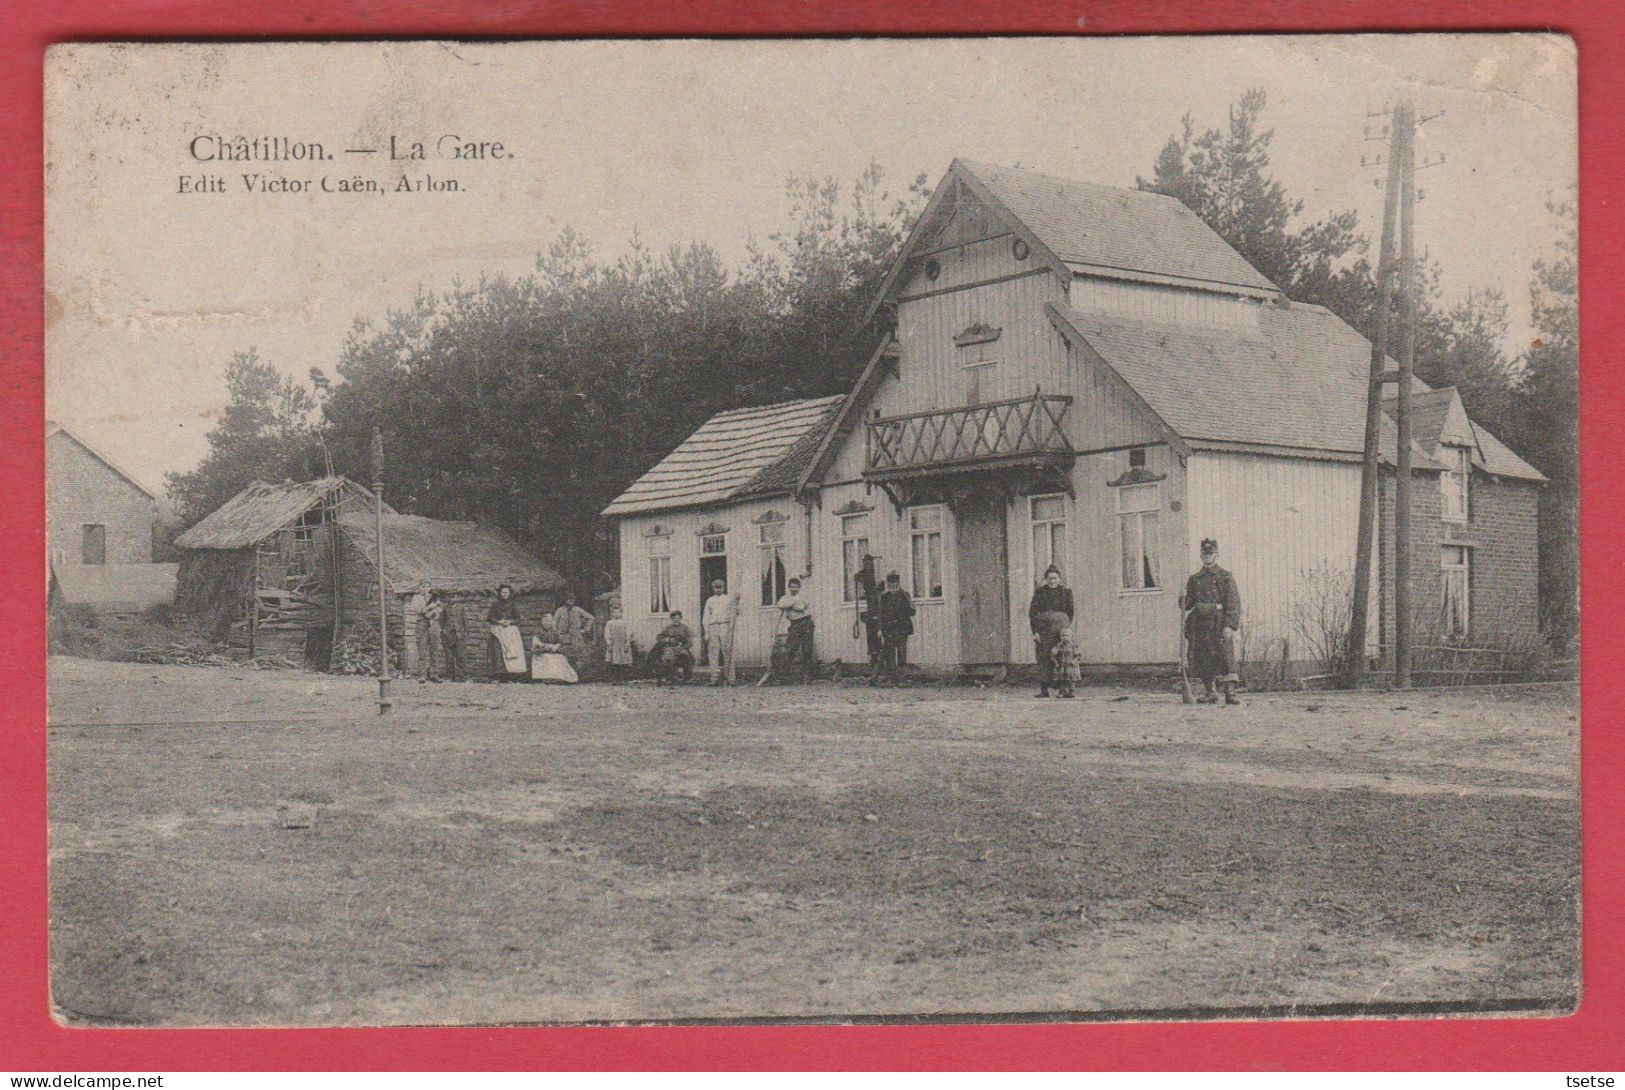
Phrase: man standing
[426,607]
[896,624]
[1212,606]
[717,625]
[798,646]
[572,627]
[451,638]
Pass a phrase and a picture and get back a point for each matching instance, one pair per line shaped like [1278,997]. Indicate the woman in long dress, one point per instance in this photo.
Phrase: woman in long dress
[507,646]
[1051,612]
[547,661]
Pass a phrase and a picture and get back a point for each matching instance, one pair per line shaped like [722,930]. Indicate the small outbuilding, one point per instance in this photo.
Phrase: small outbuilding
[288,573]
[112,588]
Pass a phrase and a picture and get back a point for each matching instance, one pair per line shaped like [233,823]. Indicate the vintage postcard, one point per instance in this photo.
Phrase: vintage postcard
[616,531]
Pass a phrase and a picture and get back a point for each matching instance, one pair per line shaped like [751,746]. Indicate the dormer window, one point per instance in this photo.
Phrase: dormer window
[1453,482]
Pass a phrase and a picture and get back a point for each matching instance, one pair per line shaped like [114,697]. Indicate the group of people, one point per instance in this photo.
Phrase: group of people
[673,652]
[1211,616]
[1210,607]
[886,613]
[558,649]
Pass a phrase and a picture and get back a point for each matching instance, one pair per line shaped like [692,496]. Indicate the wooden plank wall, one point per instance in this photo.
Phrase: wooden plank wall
[754,639]
[1114,625]
[1277,520]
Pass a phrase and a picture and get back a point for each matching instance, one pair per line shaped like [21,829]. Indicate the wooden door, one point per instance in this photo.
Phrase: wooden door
[983,579]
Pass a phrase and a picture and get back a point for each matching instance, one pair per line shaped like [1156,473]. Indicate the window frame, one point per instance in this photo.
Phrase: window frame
[849,586]
[1448,570]
[1459,467]
[1140,517]
[766,552]
[941,532]
[1063,520]
[659,564]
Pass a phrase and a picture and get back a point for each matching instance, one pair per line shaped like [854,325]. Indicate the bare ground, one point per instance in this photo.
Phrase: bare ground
[494,854]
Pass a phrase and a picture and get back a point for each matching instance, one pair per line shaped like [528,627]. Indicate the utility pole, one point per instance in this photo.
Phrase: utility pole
[383,599]
[1355,653]
[1407,362]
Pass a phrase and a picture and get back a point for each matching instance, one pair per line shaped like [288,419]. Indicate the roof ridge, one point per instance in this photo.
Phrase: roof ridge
[974,164]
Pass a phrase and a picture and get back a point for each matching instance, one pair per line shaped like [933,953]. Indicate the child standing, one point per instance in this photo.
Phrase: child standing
[1066,665]
[618,645]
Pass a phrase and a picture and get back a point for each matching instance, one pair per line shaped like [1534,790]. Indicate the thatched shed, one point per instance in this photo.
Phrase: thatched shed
[464,561]
[261,570]
[289,573]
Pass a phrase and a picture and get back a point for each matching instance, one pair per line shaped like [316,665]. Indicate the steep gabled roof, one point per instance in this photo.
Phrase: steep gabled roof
[260,510]
[452,556]
[742,452]
[1126,233]
[1495,457]
[55,429]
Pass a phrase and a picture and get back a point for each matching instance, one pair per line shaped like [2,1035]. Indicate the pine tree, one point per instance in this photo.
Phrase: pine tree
[268,433]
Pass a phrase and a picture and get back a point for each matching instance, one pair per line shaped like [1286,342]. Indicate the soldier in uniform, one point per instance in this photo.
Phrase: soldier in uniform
[1212,606]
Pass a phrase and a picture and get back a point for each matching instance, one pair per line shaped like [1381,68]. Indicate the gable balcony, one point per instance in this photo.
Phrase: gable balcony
[1024,433]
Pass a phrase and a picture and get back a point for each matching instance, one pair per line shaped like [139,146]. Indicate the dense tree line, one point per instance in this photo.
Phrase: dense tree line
[530,402]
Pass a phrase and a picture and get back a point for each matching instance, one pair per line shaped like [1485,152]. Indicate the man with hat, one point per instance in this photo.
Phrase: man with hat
[1212,607]
[716,624]
[896,625]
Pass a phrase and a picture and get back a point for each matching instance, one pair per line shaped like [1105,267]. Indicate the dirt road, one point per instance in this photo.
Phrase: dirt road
[520,854]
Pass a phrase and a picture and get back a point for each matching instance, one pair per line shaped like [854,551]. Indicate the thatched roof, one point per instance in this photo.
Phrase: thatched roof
[260,510]
[452,556]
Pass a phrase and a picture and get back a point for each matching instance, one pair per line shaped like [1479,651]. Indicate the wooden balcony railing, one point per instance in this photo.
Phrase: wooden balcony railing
[1021,431]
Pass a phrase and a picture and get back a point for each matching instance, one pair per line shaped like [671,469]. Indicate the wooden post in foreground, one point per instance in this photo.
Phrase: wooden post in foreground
[383,599]
[1354,654]
[1407,363]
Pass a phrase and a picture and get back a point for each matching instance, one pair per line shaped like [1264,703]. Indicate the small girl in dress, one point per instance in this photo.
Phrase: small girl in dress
[1066,663]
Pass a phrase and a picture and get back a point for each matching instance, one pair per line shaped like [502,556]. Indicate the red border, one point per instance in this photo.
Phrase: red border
[30,1040]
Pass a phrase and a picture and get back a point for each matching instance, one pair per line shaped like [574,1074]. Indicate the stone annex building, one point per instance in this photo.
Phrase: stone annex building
[1090,377]
[95,512]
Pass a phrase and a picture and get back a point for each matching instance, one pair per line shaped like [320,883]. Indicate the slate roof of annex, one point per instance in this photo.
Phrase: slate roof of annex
[742,452]
[1429,411]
